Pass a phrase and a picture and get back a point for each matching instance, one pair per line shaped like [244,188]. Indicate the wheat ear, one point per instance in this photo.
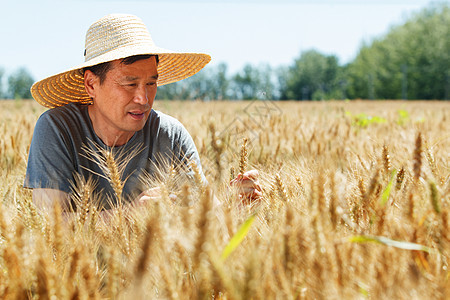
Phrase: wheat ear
[418,157]
[244,156]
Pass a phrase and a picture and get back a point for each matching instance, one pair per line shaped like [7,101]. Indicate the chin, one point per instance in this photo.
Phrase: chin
[139,126]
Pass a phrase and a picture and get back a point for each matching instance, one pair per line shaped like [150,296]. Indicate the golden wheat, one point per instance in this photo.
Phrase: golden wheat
[328,224]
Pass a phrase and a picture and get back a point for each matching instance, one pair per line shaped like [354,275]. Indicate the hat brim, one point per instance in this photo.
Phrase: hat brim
[68,86]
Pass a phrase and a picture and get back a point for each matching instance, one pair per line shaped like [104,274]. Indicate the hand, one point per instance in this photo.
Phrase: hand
[143,199]
[152,194]
[248,185]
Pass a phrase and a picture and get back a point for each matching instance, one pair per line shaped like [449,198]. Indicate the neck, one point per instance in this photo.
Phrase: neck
[108,135]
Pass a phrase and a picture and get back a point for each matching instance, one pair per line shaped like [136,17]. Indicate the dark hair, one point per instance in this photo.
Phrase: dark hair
[100,70]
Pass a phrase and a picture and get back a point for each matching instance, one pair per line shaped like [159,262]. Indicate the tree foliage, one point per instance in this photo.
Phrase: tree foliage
[412,61]
[2,95]
[253,83]
[213,83]
[312,76]
[19,84]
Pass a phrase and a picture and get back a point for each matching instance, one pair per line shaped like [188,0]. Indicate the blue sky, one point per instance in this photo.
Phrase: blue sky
[47,37]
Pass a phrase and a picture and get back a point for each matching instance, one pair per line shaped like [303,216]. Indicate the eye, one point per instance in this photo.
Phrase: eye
[151,83]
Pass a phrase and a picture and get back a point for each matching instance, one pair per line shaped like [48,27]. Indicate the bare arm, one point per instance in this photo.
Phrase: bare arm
[45,199]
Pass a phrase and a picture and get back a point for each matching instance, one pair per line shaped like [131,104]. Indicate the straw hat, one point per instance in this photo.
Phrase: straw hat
[114,37]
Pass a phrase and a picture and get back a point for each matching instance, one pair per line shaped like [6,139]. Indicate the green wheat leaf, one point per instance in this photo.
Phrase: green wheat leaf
[387,190]
[237,237]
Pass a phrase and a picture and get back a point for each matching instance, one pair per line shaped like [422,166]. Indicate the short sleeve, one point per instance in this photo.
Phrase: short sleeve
[50,165]
[187,151]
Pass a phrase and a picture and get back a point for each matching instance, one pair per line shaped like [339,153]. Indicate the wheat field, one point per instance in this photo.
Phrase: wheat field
[355,205]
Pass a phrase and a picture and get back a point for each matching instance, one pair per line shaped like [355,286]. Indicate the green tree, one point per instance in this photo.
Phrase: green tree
[267,89]
[210,84]
[2,72]
[246,83]
[19,84]
[220,83]
[312,76]
[213,83]
[173,91]
[412,61]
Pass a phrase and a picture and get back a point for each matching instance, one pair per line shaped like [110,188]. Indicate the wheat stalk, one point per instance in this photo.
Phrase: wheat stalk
[203,227]
[112,165]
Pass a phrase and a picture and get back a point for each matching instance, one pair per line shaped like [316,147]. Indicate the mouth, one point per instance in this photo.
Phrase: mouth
[137,115]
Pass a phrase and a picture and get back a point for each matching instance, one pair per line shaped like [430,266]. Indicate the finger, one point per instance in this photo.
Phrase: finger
[237,179]
[146,199]
[141,201]
[253,196]
[153,192]
[249,183]
[246,190]
[252,174]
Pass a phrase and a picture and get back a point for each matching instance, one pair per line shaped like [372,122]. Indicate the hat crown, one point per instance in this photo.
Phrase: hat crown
[113,32]
[110,38]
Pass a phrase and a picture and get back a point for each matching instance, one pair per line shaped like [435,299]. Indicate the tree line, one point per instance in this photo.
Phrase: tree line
[412,61]
[17,85]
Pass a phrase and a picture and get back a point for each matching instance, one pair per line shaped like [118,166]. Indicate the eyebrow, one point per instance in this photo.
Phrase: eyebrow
[133,78]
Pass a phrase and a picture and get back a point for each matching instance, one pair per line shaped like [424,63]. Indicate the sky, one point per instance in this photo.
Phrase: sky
[47,36]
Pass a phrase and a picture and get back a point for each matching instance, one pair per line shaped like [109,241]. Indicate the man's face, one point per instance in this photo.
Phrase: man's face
[122,103]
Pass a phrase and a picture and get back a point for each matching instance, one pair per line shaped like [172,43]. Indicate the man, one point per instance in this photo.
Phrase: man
[105,106]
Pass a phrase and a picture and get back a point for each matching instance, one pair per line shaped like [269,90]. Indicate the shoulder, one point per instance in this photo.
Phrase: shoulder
[67,114]
[166,123]
[165,119]
[168,130]
[69,122]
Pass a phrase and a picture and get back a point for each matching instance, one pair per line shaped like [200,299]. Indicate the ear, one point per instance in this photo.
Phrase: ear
[90,83]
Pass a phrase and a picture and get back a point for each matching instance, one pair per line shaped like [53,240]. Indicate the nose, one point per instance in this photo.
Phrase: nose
[141,96]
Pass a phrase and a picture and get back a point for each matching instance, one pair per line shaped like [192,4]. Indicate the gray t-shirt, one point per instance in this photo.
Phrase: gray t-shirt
[61,134]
